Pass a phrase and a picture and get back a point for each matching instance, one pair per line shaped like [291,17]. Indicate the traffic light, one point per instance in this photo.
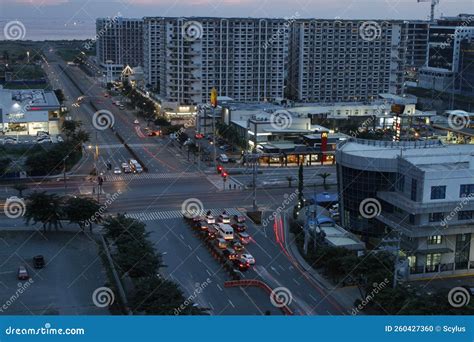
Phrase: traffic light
[219,168]
[224,175]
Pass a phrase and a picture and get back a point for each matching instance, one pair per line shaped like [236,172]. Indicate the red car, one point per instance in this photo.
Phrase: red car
[23,273]
[199,136]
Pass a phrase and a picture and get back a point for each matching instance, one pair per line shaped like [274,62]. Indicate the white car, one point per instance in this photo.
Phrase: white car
[136,122]
[210,219]
[117,170]
[224,218]
[248,258]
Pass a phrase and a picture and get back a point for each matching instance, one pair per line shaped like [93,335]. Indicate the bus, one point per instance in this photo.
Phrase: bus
[135,166]
[225,231]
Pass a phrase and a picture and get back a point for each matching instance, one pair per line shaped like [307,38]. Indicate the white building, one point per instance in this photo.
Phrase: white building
[420,191]
[345,60]
[244,58]
[25,112]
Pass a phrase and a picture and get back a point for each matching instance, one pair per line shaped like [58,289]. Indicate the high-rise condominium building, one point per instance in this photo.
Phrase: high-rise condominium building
[415,34]
[345,60]
[119,41]
[244,58]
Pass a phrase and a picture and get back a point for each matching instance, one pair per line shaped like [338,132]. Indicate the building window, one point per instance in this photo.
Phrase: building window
[466,190]
[465,215]
[438,192]
[463,246]
[436,217]
[435,240]
[414,185]
[432,262]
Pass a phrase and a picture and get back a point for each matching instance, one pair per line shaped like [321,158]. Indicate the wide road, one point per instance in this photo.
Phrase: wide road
[157,197]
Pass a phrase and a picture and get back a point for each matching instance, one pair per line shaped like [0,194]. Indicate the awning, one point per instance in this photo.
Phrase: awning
[434,251]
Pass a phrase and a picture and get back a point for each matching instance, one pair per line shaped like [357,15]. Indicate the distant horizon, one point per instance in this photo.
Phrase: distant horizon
[75,19]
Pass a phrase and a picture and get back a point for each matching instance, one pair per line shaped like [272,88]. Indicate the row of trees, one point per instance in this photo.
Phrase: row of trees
[41,162]
[137,100]
[135,257]
[51,209]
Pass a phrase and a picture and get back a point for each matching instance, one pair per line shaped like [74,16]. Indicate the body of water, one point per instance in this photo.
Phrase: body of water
[52,29]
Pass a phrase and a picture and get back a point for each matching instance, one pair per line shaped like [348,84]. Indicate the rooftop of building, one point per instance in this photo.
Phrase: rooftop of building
[430,155]
[14,99]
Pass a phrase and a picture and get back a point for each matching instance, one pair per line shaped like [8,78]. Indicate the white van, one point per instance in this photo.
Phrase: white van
[223,158]
[225,231]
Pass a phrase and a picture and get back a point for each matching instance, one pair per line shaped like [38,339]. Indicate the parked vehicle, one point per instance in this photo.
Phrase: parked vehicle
[22,273]
[38,261]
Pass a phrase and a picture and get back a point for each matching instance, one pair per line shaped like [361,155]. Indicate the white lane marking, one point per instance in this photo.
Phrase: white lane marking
[182,236]
[199,259]
[230,302]
[274,270]
[219,287]
[190,248]
[312,297]
[296,281]
[210,274]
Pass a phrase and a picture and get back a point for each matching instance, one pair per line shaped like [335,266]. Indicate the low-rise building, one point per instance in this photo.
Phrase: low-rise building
[419,191]
[26,112]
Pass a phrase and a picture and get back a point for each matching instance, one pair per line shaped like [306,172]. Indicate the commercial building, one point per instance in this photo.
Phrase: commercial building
[244,58]
[119,42]
[345,60]
[26,112]
[444,59]
[418,191]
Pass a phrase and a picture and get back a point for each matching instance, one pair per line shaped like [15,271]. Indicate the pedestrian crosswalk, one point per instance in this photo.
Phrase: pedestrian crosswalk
[132,177]
[174,214]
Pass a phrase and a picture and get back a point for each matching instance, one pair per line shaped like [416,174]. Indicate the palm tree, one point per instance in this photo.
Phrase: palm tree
[289,179]
[20,187]
[44,208]
[324,176]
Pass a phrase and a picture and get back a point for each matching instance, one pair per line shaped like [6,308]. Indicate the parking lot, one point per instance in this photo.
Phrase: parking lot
[72,272]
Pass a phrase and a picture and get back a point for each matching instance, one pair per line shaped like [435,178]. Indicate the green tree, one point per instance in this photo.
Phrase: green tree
[20,187]
[324,176]
[155,296]
[70,126]
[44,208]
[82,211]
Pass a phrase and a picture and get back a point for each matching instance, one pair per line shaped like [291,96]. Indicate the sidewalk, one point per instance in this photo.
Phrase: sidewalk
[345,296]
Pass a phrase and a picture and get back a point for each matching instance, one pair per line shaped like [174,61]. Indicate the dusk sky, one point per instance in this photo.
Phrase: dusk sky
[68,19]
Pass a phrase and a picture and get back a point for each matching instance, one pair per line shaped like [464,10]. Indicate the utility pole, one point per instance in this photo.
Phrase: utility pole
[213,110]
[64,177]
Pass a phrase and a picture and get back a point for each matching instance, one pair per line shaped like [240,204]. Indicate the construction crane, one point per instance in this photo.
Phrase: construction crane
[434,3]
